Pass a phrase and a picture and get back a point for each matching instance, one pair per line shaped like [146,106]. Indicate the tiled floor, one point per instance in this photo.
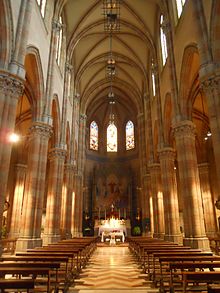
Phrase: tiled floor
[112,270]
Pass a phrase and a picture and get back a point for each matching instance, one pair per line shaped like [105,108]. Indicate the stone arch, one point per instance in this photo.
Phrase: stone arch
[68,141]
[34,79]
[188,77]
[6,33]
[168,112]
[56,121]
[215,30]
[155,137]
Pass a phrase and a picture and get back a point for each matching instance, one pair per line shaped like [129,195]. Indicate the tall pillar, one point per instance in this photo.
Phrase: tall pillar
[208,205]
[78,206]
[146,211]
[67,198]
[194,227]
[11,88]
[158,210]
[169,186]
[54,196]
[30,232]
[20,173]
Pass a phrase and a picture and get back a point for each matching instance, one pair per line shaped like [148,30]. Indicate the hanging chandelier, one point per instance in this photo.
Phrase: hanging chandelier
[111,11]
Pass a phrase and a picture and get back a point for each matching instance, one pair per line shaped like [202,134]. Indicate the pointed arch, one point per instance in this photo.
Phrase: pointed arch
[112,138]
[34,75]
[215,30]
[6,33]
[56,121]
[129,134]
[94,136]
[168,112]
[188,77]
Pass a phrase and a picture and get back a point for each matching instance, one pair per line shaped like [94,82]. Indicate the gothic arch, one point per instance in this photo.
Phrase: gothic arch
[188,76]
[6,33]
[168,120]
[56,121]
[34,80]
[215,30]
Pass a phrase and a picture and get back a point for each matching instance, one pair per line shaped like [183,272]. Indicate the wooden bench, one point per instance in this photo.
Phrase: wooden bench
[27,271]
[199,278]
[24,284]
[177,269]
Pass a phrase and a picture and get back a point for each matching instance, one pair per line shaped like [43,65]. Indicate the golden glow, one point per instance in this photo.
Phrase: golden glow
[13,137]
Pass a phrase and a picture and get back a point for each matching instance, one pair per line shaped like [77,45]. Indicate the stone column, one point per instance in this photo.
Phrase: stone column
[211,88]
[73,224]
[20,173]
[11,88]
[169,186]
[67,198]
[157,195]
[54,196]
[146,212]
[30,232]
[194,227]
[208,204]
[77,207]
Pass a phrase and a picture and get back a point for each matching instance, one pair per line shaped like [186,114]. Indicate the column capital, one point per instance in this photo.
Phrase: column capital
[57,153]
[69,167]
[154,167]
[56,26]
[184,128]
[20,167]
[11,85]
[167,153]
[203,168]
[41,129]
[68,67]
[83,117]
[210,83]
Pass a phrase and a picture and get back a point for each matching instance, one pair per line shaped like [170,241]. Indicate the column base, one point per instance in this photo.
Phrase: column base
[174,238]
[199,242]
[50,238]
[158,235]
[24,243]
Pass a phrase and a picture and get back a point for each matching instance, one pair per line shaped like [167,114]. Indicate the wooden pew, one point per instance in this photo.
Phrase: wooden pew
[24,284]
[177,269]
[27,271]
[165,261]
[199,278]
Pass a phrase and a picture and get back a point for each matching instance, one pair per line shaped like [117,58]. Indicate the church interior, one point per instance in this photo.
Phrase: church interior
[109,133]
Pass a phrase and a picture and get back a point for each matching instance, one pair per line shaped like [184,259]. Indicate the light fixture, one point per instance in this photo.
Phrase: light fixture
[209,133]
[111,11]
[13,137]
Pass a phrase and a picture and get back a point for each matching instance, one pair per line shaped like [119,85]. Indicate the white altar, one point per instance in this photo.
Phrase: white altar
[112,225]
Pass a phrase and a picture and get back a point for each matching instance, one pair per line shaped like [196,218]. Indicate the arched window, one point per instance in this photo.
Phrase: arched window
[112,145]
[60,39]
[153,84]
[42,5]
[94,132]
[163,41]
[179,7]
[129,135]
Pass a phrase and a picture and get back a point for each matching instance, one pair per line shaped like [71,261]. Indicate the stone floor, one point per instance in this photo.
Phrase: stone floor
[112,270]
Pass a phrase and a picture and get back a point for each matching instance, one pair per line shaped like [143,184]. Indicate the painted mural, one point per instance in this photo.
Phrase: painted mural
[112,190]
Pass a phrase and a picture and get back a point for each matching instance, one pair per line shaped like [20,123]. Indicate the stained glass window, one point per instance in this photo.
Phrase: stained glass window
[153,84]
[94,131]
[129,135]
[112,144]
[163,41]
[42,5]
[179,6]
[60,39]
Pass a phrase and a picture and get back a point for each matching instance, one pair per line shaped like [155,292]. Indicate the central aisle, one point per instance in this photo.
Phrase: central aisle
[112,269]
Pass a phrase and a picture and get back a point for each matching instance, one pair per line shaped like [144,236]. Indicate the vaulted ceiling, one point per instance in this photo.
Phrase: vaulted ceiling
[133,48]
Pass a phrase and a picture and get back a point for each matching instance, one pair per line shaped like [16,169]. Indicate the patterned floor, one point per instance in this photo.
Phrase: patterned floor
[112,270]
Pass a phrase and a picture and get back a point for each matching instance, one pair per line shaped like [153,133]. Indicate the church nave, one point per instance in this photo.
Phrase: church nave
[112,269]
